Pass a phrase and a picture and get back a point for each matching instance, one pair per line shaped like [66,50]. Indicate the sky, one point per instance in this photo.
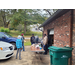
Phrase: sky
[44,12]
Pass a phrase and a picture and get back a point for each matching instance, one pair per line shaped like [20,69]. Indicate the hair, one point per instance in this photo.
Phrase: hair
[19,37]
[32,34]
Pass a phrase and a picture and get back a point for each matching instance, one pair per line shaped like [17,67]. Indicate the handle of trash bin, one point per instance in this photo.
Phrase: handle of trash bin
[69,47]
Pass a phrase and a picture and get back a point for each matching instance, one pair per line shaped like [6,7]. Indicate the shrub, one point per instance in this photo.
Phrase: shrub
[7,30]
[2,29]
[11,28]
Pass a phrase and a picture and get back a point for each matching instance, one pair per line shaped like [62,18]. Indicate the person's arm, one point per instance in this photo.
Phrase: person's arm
[45,40]
[23,37]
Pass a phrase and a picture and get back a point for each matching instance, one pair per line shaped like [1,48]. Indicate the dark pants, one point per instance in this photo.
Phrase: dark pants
[46,49]
[32,43]
[18,51]
[23,46]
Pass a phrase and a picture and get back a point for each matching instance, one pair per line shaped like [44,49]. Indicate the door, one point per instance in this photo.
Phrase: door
[3,38]
[50,37]
[49,41]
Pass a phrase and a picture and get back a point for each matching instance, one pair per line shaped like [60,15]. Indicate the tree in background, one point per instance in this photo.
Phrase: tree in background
[50,11]
[23,17]
[27,17]
[5,15]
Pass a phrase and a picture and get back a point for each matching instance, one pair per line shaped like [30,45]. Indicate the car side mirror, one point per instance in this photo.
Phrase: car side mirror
[4,37]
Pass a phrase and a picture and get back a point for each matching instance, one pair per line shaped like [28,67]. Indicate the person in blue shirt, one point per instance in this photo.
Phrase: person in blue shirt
[22,38]
[19,47]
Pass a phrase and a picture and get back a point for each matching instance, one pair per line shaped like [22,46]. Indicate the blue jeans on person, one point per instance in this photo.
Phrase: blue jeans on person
[32,43]
[23,46]
[18,51]
[45,48]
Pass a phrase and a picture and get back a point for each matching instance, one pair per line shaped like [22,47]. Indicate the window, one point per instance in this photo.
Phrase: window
[1,35]
[7,35]
[51,32]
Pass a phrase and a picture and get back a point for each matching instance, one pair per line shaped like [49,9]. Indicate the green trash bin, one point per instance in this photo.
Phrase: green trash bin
[59,55]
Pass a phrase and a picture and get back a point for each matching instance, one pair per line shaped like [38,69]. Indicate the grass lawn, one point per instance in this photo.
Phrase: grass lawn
[27,42]
[28,34]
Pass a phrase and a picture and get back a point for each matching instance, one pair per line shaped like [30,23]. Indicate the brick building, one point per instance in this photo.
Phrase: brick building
[60,28]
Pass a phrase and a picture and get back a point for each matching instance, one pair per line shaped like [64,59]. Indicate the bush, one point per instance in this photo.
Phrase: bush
[2,29]
[11,28]
[5,30]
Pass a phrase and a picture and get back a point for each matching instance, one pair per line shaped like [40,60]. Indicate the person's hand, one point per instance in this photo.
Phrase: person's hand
[21,48]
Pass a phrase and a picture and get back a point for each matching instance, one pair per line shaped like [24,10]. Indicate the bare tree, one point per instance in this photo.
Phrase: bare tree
[50,11]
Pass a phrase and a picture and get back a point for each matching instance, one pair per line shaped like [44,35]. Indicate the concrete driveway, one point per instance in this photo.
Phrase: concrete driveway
[28,58]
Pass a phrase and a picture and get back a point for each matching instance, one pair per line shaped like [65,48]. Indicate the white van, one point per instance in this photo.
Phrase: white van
[6,50]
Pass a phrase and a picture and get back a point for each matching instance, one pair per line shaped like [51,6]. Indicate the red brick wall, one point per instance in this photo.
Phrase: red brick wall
[73,39]
[62,30]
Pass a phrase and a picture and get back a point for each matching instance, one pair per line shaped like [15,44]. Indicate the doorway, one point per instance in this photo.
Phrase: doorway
[50,37]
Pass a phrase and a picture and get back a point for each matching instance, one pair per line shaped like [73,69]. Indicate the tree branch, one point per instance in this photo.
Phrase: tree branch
[47,11]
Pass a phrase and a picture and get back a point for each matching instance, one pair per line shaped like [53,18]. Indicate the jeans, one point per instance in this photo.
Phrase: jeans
[18,51]
[23,46]
[32,43]
[45,48]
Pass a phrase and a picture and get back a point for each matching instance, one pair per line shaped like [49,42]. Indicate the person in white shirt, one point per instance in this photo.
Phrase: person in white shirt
[45,42]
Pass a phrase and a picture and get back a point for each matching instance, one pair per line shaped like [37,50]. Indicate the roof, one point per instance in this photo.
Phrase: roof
[57,14]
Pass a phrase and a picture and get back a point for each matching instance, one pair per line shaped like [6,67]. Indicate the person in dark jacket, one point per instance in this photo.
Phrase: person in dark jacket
[32,39]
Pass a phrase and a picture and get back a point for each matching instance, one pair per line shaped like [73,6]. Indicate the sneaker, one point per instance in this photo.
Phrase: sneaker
[20,59]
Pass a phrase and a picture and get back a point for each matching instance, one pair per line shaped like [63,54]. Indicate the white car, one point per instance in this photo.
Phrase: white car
[6,50]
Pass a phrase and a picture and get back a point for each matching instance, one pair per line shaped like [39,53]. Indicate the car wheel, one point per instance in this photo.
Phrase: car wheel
[14,44]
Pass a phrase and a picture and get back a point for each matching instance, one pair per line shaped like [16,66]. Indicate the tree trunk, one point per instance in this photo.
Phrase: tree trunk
[7,24]
[4,21]
[24,27]
[4,17]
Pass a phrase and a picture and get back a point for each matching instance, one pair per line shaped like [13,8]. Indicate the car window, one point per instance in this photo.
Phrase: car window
[7,35]
[1,35]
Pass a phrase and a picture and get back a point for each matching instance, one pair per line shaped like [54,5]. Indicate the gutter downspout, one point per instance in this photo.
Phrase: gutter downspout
[71,33]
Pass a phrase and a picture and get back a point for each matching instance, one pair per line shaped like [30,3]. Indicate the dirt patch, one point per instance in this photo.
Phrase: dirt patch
[28,58]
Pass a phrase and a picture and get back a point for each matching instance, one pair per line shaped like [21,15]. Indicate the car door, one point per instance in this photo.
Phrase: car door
[3,38]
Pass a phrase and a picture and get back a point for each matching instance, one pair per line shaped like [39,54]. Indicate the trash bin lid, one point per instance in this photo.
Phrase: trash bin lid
[54,48]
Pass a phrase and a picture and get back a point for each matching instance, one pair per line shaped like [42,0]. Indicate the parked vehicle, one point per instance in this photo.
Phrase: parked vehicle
[7,38]
[6,50]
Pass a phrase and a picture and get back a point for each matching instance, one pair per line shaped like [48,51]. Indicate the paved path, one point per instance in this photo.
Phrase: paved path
[28,58]
[27,38]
